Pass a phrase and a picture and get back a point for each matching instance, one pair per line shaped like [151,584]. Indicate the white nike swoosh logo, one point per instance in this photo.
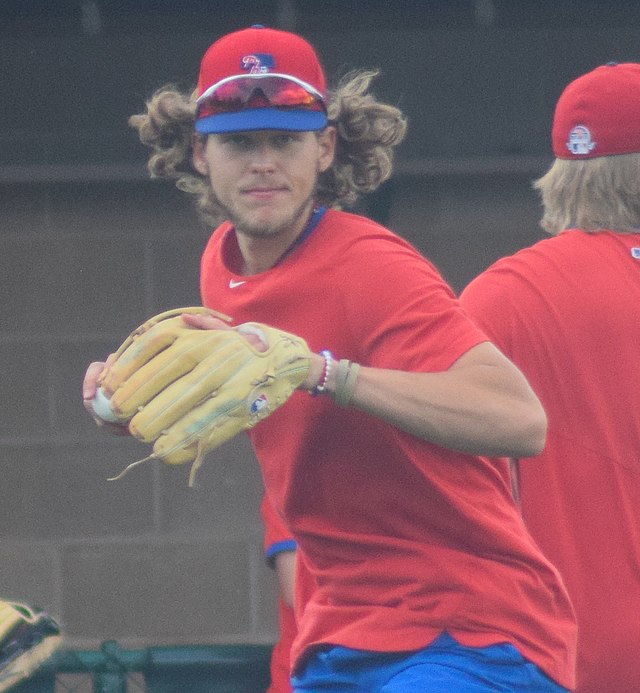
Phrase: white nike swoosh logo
[233,283]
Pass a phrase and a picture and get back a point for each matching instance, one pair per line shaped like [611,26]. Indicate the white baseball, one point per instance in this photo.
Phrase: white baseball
[102,407]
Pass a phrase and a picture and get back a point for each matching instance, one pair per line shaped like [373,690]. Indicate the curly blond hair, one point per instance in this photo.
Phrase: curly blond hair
[367,132]
[591,194]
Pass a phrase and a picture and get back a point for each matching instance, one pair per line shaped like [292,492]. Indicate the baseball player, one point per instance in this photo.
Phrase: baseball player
[385,459]
[567,311]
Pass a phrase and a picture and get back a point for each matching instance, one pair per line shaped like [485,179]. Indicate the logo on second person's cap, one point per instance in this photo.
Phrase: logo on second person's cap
[580,141]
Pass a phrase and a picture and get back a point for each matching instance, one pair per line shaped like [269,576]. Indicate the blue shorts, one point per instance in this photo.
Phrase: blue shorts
[442,667]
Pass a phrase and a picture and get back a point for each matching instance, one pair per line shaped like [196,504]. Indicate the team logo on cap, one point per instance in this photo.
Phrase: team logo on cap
[258,63]
[580,141]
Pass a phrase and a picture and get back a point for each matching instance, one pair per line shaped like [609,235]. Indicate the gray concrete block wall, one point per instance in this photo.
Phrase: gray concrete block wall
[463,223]
[144,560]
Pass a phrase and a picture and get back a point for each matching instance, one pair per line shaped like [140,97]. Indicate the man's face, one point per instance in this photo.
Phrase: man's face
[265,179]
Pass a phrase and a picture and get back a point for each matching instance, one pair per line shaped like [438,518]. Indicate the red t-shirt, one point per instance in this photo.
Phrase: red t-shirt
[403,538]
[567,312]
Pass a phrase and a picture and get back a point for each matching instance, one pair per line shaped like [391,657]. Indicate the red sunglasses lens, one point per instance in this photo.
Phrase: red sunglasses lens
[239,94]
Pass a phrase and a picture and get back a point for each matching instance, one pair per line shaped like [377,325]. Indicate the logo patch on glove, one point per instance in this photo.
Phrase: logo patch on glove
[259,404]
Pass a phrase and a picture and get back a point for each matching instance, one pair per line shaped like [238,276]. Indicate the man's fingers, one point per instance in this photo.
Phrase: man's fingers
[90,382]
[204,322]
[210,322]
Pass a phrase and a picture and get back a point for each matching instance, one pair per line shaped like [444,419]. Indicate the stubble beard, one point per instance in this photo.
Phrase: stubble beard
[244,226]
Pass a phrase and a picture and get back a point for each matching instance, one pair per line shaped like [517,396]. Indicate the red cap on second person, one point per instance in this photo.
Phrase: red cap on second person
[598,114]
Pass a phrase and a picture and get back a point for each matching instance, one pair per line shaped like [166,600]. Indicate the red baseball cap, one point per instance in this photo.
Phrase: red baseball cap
[282,68]
[598,114]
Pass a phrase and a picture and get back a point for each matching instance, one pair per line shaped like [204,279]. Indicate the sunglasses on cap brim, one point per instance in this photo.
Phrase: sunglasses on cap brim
[259,91]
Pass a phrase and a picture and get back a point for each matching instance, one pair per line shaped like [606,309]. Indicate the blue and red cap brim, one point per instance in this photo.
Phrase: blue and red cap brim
[262,119]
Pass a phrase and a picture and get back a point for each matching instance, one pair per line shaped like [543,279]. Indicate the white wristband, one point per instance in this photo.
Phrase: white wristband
[321,387]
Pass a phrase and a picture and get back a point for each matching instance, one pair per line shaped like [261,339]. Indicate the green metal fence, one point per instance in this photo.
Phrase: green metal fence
[180,669]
